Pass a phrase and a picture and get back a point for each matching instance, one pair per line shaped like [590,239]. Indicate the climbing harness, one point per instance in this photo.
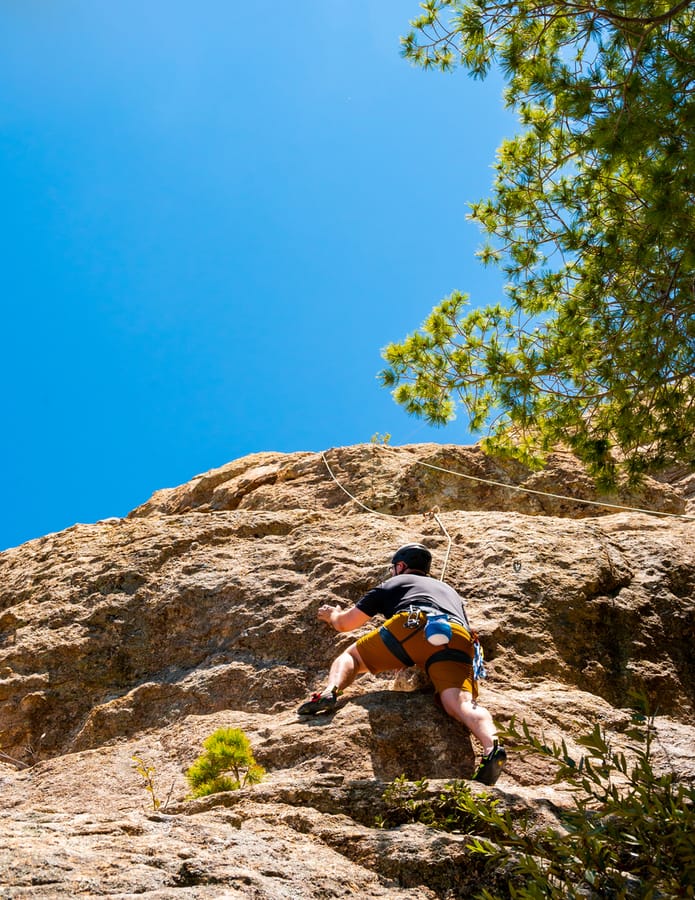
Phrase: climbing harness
[448,654]
[394,645]
[419,619]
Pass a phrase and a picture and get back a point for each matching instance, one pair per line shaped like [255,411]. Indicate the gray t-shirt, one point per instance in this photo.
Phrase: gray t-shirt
[398,593]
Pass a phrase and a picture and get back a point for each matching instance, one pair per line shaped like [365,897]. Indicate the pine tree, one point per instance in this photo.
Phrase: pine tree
[591,218]
[227,764]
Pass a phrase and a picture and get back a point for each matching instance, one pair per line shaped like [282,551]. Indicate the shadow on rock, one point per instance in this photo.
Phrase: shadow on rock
[411,736]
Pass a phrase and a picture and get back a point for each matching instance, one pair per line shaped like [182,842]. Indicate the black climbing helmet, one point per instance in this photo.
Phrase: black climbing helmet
[415,556]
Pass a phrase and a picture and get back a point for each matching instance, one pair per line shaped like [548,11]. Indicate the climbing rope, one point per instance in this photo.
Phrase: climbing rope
[509,487]
[374,512]
[433,513]
[525,490]
[448,549]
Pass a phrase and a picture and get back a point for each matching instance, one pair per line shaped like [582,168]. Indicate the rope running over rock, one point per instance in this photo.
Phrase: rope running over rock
[510,487]
[375,512]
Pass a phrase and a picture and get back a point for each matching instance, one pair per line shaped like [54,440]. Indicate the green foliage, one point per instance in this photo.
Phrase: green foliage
[455,809]
[629,834]
[377,438]
[227,764]
[591,219]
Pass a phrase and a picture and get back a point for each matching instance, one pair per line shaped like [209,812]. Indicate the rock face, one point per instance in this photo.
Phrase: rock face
[140,636]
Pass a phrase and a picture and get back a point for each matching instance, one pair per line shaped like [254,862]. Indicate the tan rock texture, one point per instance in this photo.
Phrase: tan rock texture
[140,636]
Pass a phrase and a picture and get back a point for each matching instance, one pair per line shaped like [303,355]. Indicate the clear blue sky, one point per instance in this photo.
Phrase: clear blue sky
[214,216]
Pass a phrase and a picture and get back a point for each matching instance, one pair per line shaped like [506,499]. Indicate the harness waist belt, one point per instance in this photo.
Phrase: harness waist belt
[431,610]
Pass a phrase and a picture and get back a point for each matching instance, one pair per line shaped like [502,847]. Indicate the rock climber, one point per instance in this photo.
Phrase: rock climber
[426,626]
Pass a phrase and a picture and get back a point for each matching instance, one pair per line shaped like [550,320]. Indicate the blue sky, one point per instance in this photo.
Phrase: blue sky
[214,218]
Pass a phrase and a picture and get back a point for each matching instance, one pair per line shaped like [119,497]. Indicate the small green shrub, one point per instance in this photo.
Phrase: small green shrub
[630,833]
[227,764]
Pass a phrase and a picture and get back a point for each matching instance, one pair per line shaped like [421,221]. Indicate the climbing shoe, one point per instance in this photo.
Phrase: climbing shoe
[323,701]
[491,766]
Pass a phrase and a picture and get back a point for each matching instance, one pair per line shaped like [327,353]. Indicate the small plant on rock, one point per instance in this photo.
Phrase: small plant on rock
[455,808]
[227,764]
[148,774]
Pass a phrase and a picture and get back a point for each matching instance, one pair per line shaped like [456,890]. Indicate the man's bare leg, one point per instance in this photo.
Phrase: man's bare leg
[460,706]
[344,669]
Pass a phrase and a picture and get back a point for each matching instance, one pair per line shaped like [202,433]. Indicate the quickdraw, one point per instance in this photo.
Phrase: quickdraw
[479,672]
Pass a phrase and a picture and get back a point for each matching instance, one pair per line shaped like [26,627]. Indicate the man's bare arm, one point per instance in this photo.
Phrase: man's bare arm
[342,619]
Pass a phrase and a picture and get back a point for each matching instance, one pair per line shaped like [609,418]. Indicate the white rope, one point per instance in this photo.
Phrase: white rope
[515,487]
[375,512]
[509,487]
[448,549]
[512,487]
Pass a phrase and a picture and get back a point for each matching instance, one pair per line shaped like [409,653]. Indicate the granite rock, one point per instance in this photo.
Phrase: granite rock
[137,637]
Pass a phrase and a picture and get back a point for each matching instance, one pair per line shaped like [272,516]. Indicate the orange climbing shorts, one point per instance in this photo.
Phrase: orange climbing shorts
[448,666]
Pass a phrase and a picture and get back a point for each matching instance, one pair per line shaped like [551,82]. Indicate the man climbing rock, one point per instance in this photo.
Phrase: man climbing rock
[426,626]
